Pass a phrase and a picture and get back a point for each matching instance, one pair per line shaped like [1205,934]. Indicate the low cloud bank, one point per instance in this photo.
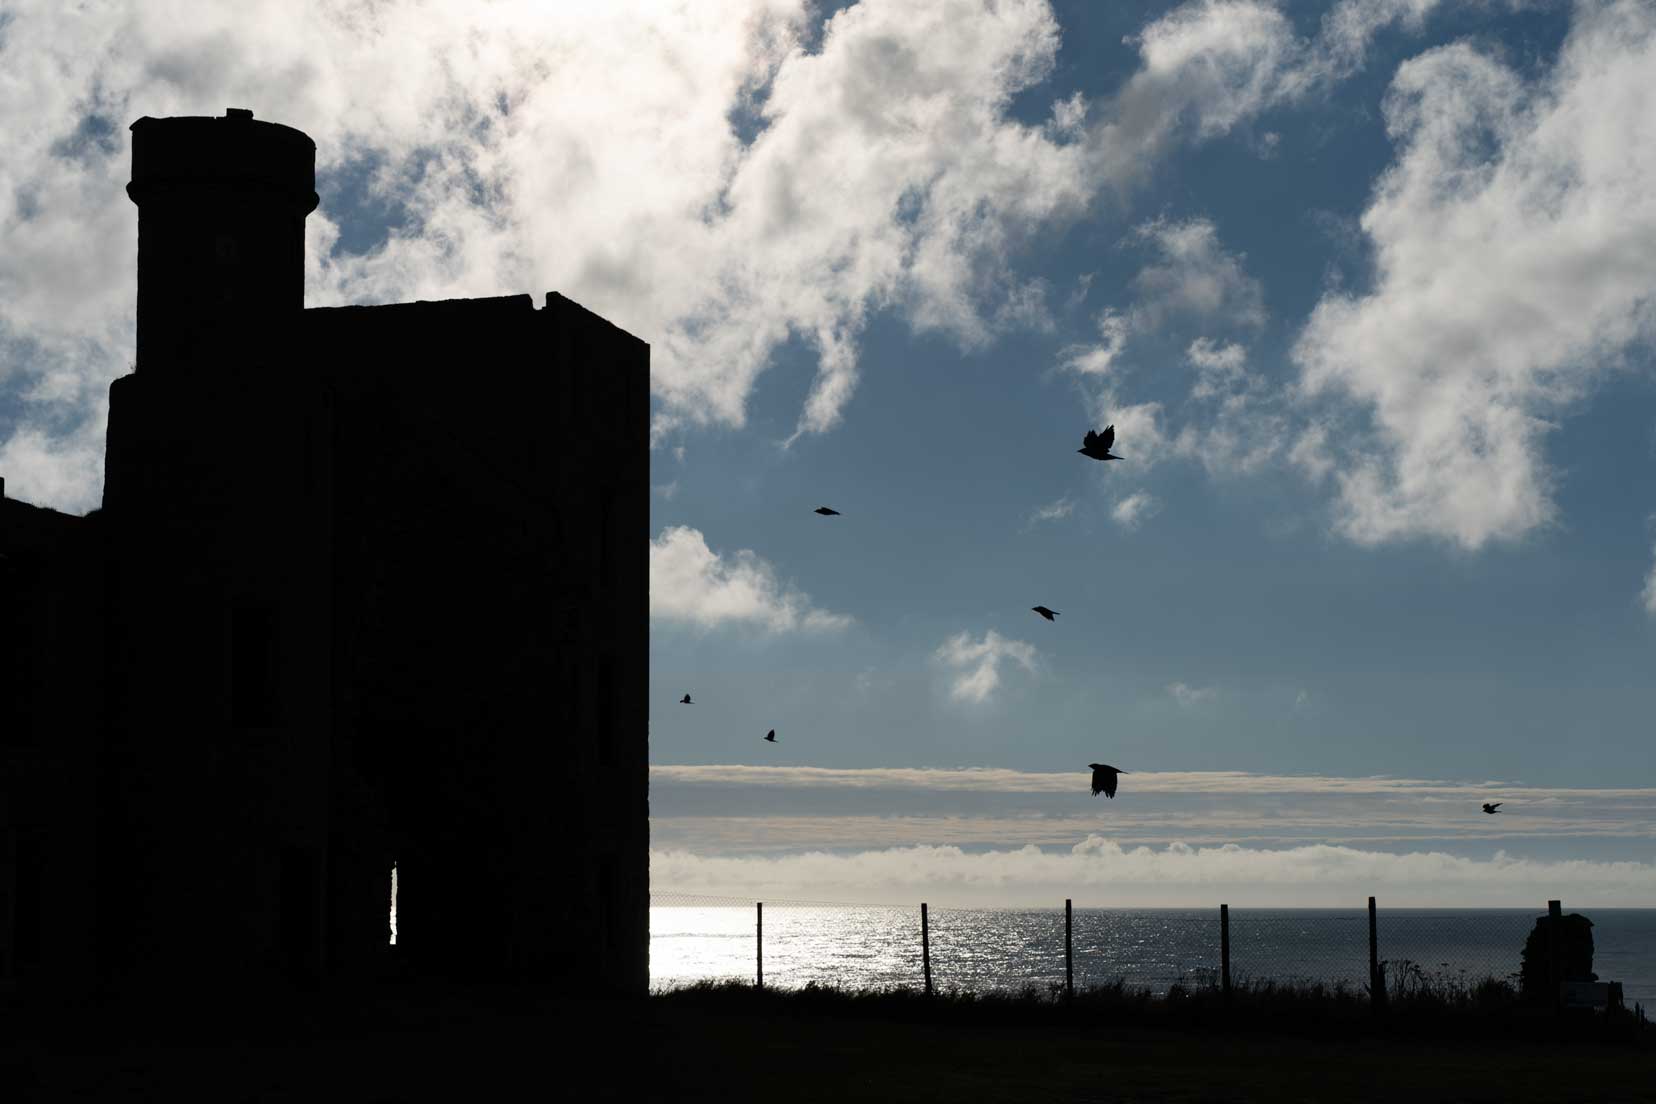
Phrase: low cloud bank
[1015,781]
[1101,872]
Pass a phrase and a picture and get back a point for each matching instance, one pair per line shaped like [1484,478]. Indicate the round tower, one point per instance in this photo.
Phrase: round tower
[221,235]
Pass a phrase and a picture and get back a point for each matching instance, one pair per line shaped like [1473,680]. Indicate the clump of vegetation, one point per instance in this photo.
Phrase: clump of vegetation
[1421,1003]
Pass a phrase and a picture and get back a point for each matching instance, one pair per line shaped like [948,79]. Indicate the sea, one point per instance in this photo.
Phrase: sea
[1009,949]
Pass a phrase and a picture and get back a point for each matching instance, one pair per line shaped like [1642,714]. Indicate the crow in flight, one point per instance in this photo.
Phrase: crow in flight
[1493,806]
[1044,612]
[771,735]
[825,511]
[686,700]
[1097,445]
[1104,779]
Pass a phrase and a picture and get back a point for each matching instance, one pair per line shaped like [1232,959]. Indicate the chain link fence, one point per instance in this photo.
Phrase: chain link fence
[793,943]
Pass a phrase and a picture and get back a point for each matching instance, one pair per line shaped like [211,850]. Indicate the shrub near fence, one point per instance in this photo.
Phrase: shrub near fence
[1443,955]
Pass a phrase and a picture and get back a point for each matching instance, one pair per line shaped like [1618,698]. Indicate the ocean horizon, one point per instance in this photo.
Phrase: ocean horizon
[985,949]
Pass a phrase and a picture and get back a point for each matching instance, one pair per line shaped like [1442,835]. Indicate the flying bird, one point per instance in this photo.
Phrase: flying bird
[1493,806]
[1044,612]
[771,735]
[686,700]
[1104,779]
[825,511]
[1097,445]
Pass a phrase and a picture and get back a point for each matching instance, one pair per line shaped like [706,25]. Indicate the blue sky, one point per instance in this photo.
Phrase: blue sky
[1367,288]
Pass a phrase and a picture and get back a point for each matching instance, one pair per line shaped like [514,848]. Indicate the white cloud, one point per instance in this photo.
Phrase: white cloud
[1053,511]
[1515,264]
[1101,871]
[1194,280]
[1648,595]
[1099,359]
[1188,696]
[1131,511]
[975,666]
[1349,27]
[1204,67]
[1240,425]
[738,179]
[1194,277]
[1222,368]
[1210,65]
[693,585]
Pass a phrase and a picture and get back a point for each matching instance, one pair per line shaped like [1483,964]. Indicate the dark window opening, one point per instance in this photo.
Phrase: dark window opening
[253,667]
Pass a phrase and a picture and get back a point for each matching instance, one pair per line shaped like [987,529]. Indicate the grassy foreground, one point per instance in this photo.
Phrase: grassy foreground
[735,1044]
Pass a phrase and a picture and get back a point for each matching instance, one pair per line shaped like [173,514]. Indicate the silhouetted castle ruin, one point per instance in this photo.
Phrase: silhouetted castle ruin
[368,587]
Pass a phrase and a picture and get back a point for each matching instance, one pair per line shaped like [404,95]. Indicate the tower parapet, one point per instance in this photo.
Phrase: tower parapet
[221,234]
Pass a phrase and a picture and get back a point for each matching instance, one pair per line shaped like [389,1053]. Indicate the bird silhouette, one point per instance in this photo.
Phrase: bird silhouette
[825,511]
[771,735]
[1097,445]
[686,700]
[1044,612]
[1104,779]
[1493,806]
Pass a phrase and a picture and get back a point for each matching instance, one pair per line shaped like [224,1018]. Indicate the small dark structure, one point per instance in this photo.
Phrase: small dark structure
[1558,949]
[369,586]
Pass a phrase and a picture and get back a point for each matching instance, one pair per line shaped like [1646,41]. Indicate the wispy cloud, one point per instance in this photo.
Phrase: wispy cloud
[1052,511]
[1194,277]
[693,585]
[1648,595]
[975,666]
[1188,696]
[1131,511]
[1221,367]
[1099,359]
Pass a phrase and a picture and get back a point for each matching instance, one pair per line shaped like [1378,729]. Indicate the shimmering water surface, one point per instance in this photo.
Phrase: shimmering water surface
[1010,948]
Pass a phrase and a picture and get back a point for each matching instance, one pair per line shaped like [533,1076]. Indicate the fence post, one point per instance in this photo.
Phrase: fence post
[1555,952]
[1069,953]
[925,946]
[1377,980]
[1224,952]
[759,944]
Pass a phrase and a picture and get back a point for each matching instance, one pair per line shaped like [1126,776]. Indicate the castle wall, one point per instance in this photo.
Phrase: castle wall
[369,585]
[51,664]
[486,504]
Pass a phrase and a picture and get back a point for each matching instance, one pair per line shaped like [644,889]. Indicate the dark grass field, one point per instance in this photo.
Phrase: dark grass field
[735,1044]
